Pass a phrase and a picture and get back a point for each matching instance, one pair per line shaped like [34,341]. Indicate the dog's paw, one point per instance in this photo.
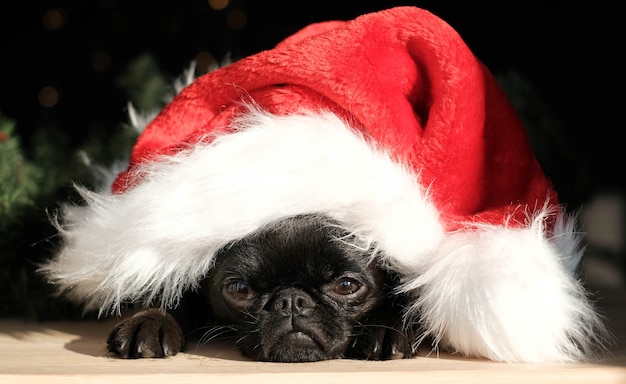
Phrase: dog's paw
[377,341]
[149,333]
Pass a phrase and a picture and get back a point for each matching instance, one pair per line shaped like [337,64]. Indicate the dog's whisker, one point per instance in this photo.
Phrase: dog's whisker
[215,333]
[383,326]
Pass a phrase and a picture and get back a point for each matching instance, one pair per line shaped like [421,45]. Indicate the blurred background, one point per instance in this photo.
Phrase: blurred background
[70,67]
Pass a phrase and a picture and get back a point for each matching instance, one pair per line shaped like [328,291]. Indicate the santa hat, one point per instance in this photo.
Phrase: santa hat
[389,125]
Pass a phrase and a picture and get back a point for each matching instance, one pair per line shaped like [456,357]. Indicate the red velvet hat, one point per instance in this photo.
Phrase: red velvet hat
[391,126]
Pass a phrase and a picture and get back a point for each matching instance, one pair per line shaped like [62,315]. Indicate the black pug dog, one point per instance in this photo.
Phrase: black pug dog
[295,291]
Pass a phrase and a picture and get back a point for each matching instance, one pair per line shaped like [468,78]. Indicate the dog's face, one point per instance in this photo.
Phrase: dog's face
[295,291]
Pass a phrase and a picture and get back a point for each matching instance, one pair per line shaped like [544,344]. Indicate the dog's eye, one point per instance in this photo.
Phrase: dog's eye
[240,290]
[346,286]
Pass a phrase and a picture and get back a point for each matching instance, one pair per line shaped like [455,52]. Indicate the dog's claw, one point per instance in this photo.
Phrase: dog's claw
[149,333]
[384,343]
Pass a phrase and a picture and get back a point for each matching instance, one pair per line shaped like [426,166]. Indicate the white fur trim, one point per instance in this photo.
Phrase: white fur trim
[508,294]
[159,238]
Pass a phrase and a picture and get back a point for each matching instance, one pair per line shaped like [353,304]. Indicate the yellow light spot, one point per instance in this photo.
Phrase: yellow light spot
[218,5]
[205,62]
[236,19]
[48,96]
[53,19]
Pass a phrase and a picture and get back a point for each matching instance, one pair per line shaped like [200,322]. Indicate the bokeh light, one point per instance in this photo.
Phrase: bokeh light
[48,96]
[205,61]
[53,19]
[218,5]
[236,19]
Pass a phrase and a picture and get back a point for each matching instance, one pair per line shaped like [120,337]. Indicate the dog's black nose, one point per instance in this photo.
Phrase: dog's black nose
[293,300]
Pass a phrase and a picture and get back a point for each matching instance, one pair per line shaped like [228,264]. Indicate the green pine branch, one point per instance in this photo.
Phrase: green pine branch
[19,178]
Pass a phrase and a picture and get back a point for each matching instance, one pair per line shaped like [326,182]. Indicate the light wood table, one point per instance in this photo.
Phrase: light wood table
[74,352]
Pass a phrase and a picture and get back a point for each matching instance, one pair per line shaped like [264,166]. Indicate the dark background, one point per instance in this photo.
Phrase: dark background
[571,53]
[560,61]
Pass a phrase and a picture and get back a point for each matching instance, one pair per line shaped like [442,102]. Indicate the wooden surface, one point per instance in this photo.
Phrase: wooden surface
[75,352]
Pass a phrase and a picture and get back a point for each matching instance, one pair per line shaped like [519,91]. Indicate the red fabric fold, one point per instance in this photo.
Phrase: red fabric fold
[406,79]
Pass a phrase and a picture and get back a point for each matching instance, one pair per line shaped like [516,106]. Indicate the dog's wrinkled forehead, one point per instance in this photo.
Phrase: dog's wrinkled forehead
[302,249]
